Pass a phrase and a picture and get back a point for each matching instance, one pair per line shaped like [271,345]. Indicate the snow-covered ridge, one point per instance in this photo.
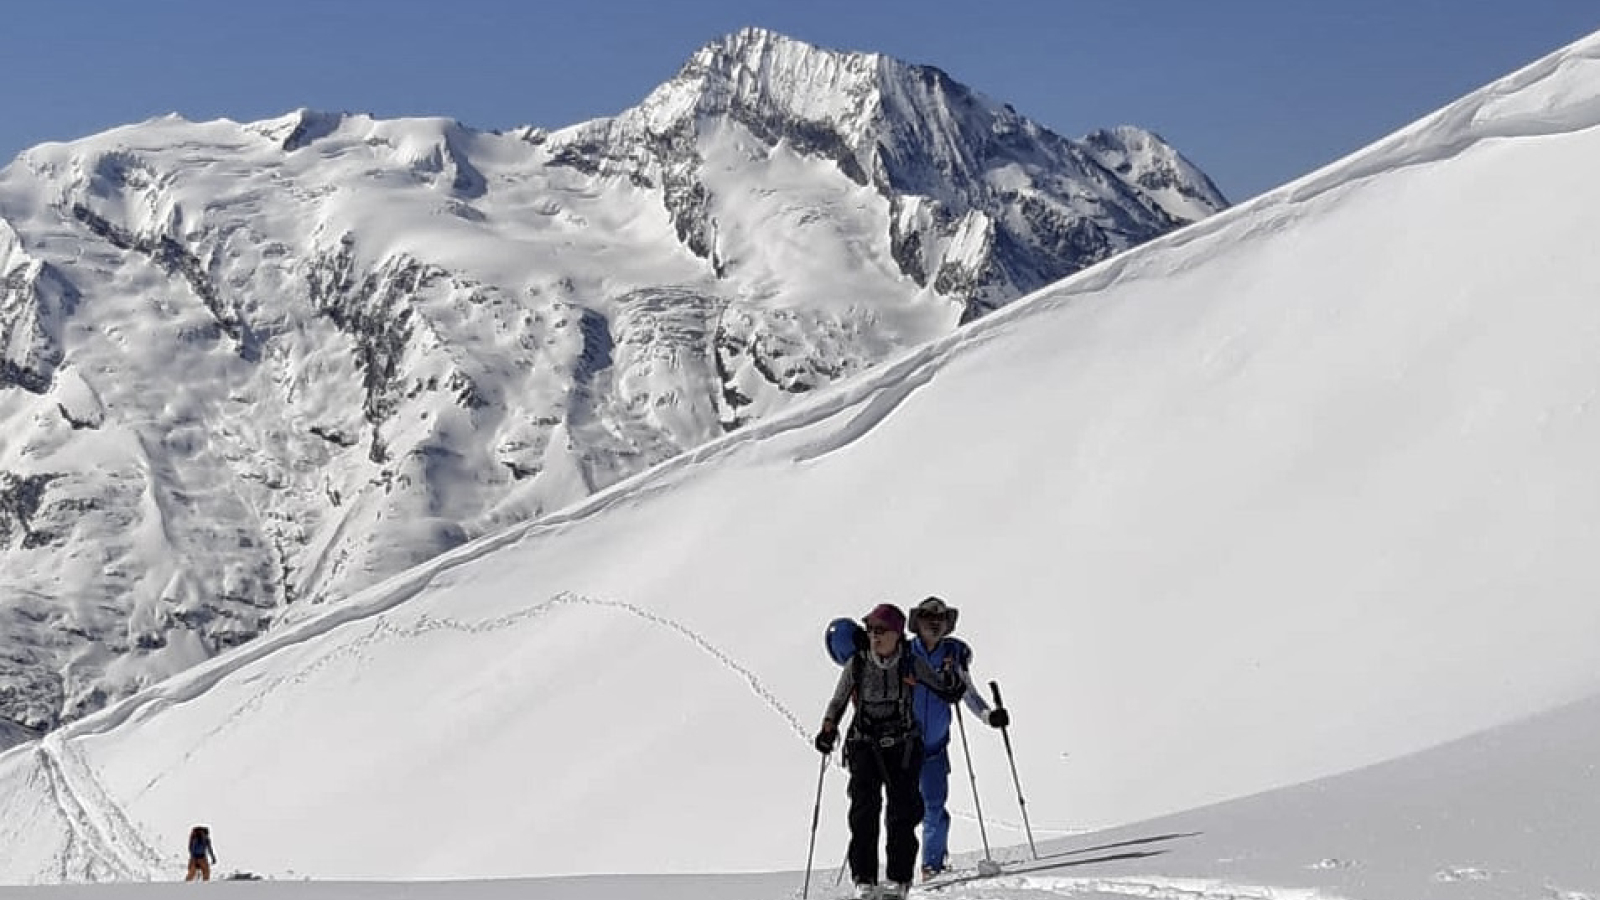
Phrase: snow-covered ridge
[1553,95]
[245,366]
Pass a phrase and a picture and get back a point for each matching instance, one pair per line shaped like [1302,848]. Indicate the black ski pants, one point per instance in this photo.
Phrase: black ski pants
[877,772]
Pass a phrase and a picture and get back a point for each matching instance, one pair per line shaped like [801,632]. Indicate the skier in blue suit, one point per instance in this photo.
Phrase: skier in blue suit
[931,622]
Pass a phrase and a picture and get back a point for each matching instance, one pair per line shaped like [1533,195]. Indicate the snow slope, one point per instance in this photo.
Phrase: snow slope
[1306,489]
[1506,813]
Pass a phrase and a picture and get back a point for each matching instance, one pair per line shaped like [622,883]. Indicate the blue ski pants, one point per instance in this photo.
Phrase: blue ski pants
[935,818]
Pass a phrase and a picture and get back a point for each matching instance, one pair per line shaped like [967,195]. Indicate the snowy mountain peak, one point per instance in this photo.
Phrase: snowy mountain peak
[1145,159]
[300,128]
[248,367]
[759,68]
[985,203]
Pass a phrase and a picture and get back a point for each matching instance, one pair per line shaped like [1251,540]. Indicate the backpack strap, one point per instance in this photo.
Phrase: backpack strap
[905,699]
[963,653]
[908,689]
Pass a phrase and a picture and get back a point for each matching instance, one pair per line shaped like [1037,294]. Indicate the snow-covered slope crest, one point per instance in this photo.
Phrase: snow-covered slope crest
[244,366]
[1301,490]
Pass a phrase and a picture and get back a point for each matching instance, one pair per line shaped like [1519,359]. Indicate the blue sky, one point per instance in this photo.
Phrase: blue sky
[1255,92]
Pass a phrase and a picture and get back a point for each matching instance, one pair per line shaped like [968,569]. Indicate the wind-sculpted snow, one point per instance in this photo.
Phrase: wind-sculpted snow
[250,366]
[1555,95]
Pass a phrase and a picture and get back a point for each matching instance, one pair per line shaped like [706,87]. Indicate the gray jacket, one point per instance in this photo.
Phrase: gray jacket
[883,690]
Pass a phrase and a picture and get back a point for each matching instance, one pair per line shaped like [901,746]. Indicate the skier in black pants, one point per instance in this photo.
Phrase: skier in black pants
[883,748]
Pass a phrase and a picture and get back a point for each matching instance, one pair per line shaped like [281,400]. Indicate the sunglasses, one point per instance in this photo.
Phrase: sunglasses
[876,630]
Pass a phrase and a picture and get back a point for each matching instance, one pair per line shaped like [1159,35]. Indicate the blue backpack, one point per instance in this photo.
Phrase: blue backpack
[844,638]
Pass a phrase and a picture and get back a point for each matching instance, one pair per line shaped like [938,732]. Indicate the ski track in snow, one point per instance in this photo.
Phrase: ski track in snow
[761,690]
[383,630]
[1462,873]
[1006,886]
[101,841]
[1018,887]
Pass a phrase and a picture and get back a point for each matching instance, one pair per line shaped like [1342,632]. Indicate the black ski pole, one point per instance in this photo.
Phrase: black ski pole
[1005,733]
[983,831]
[816,816]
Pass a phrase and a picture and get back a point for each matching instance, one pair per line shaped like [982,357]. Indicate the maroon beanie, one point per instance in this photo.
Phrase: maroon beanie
[888,615]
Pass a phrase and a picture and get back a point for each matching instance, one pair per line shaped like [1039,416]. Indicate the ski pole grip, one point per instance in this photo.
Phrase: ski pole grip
[994,686]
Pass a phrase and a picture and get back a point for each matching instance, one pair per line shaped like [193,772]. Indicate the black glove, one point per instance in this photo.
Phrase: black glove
[999,718]
[826,738]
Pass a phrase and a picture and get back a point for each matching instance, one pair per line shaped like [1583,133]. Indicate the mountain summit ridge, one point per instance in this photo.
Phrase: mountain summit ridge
[946,157]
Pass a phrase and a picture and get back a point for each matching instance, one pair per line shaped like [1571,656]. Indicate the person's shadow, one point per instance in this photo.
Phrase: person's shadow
[1132,842]
[1064,859]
